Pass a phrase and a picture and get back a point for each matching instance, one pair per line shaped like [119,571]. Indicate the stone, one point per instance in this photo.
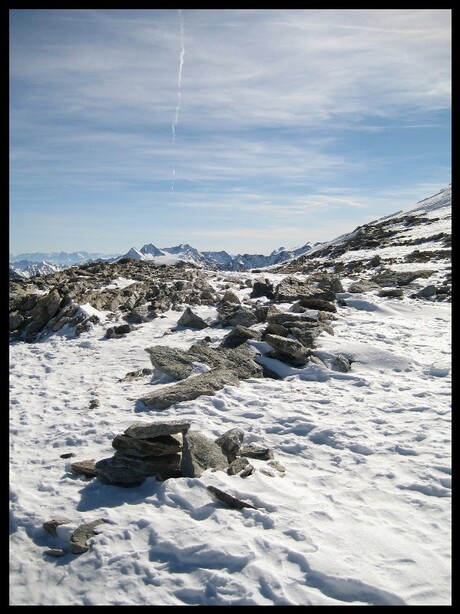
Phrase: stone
[252,450]
[341,363]
[127,470]
[239,335]
[44,309]
[316,303]
[50,526]
[171,361]
[227,499]
[237,465]
[86,468]
[190,320]
[56,552]
[79,538]
[237,360]
[149,430]
[232,315]
[204,384]
[391,293]
[363,286]
[230,443]
[249,470]
[231,297]
[200,453]
[427,292]
[15,321]
[158,446]
[288,350]
[262,288]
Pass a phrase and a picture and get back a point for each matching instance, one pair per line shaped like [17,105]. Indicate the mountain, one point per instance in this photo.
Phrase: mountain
[28,268]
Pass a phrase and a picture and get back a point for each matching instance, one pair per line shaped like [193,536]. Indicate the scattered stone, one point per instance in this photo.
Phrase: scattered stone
[127,470]
[317,303]
[200,453]
[363,286]
[239,335]
[230,297]
[190,320]
[278,466]
[288,350]
[136,374]
[230,443]
[93,404]
[232,315]
[262,288]
[78,540]
[375,261]
[251,450]
[341,363]
[67,455]
[229,501]
[427,292]
[237,465]
[115,332]
[86,468]
[249,470]
[391,293]
[50,526]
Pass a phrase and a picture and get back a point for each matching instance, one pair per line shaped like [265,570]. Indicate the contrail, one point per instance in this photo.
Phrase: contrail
[179,83]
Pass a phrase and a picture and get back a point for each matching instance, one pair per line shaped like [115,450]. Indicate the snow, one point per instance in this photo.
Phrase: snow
[361,516]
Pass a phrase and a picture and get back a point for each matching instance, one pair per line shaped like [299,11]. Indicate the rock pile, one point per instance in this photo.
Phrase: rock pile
[170,449]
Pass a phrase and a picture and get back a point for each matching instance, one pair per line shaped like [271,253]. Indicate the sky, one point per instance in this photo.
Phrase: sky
[358,510]
[229,129]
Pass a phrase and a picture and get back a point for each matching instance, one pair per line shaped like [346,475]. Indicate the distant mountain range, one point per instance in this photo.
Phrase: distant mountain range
[29,264]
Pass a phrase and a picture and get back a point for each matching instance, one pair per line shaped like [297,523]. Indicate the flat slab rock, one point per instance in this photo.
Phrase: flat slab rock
[162,445]
[148,430]
[227,499]
[78,540]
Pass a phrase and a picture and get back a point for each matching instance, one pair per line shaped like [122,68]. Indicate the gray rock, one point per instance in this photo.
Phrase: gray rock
[15,321]
[427,292]
[204,384]
[50,526]
[45,308]
[249,470]
[252,450]
[163,445]
[291,289]
[230,443]
[391,293]
[316,303]
[190,320]
[363,286]
[341,363]
[227,499]
[86,468]
[171,361]
[231,297]
[237,465]
[200,453]
[238,360]
[127,470]
[262,288]
[232,315]
[289,350]
[79,538]
[56,552]
[149,430]
[239,335]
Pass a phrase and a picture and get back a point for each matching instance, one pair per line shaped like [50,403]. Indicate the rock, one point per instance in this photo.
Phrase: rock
[291,289]
[289,350]
[15,321]
[190,320]
[157,446]
[399,278]
[230,443]
[227,499]
[204,384]
[79,538]
[115,332]
[331,283]
[171,361]
[239,335]
[230,297]
[341,363]
[44,309]
[232,315]
[391,293]
[375,261]
[237,465]
[252,450]
[126,470]
[86,468]
[50,526]
[200,453]
[427,292]
[316,303]
[149,430]
[67,455]
[249,470]
[237,360]
[262,288]
[363,286]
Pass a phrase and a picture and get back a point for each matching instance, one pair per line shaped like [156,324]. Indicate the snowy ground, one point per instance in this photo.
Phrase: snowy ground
[362,514]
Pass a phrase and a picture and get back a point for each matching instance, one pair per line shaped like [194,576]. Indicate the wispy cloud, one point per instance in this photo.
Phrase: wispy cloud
[284,107]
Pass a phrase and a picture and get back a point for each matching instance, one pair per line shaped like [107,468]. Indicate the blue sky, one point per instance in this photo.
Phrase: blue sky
[235,129]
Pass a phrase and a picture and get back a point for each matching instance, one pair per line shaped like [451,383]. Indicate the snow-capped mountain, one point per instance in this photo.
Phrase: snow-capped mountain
[27,268]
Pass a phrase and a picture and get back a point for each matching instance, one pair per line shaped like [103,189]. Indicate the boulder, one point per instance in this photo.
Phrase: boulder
[149,430]
[230,297]
[251,450]
[262,288]
[288,350]
[239,335]
[204,384]
[171,361]
[232,315]
[190,320]
[239,464]
[200,453]
[127,470]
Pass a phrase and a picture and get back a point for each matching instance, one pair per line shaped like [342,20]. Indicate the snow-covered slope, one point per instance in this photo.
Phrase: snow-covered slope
[354,508]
